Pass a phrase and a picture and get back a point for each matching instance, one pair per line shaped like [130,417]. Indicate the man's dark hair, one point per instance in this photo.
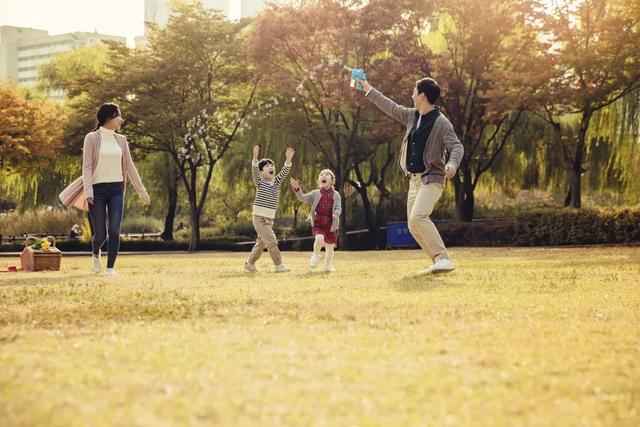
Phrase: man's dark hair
[430,88]
[264,162]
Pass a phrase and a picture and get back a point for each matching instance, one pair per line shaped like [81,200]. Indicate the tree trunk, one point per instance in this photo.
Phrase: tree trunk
[172,202]
[296,208]
[194,242]
[465,200]
[577,169]
[576,183]
[342,231]
[368,214]
[567,199]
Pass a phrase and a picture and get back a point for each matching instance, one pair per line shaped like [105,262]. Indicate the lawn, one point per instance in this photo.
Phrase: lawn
[512,337]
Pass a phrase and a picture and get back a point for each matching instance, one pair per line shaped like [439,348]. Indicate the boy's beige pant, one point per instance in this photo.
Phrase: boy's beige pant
[266,239]
[420,202]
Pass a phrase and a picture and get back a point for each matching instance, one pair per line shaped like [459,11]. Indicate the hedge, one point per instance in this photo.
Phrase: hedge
[556,227]
[542,227]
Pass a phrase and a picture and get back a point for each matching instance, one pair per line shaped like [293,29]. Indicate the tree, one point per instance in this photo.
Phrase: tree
[78,74]
[480,52]
[29,129]
[596,60]
[188,94]
[306,52]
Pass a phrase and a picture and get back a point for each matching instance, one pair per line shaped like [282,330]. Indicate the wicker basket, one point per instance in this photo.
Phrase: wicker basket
[38,260]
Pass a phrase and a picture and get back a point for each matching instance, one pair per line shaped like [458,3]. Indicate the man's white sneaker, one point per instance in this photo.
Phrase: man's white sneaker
[313,262]
[251,268]
[97,262]
[110,272]
[443,265]
[329,269]
[281,268]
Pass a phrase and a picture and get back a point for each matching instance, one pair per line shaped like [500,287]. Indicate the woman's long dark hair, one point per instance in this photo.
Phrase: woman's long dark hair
[106,112]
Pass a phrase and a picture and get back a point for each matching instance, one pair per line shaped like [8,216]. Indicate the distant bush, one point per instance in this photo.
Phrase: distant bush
[39,222]
[141,224]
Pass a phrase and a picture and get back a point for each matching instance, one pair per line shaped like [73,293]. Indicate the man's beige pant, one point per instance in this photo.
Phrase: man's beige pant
[266,239]
[420,202]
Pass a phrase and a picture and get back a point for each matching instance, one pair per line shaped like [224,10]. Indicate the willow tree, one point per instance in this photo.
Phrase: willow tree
[30,141]
[596,61]
[615,151]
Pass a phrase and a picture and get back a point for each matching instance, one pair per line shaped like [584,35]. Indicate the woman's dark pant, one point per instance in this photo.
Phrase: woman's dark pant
[108,202]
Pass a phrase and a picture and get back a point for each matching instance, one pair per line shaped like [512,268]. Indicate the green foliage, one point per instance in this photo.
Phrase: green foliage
[141,224]
[577,227]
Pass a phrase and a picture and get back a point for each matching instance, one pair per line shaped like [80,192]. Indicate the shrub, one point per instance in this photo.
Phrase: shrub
[577,227]
[141,224]
[39,222]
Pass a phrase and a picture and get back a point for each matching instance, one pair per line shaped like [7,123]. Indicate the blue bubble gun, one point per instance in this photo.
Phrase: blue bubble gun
[357,73]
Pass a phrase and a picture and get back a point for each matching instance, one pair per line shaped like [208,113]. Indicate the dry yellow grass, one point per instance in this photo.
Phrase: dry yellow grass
[512,337]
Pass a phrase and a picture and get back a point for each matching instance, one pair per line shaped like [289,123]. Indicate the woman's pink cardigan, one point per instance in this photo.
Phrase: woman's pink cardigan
[77,193]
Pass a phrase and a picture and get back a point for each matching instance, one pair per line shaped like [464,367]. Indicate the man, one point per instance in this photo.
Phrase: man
[427,140]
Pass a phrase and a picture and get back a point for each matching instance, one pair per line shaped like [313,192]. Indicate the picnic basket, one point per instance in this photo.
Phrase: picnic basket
[37,259]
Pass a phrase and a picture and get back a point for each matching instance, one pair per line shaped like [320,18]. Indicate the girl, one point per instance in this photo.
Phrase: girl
[106,164]
[326,208]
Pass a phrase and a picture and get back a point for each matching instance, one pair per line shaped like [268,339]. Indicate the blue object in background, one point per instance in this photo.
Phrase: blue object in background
[398,235]
[357,73]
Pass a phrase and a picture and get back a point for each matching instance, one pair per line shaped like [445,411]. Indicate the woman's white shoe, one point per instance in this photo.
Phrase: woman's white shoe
[97,263]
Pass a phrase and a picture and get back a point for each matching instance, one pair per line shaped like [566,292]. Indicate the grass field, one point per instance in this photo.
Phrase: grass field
[512,337]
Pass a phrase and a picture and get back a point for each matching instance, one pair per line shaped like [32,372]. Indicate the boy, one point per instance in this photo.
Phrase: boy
[264,208]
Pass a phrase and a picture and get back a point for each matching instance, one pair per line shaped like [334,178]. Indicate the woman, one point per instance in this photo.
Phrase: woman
[106,164]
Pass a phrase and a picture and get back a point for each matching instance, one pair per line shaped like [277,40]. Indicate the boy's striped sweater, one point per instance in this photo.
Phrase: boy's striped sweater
[267,192]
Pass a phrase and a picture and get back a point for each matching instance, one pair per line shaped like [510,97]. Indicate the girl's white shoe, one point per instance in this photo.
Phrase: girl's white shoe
[110,272]
[313,262]
[97,262]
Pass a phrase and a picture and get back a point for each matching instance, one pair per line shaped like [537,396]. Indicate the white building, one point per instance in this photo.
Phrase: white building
[157,11]
[23,50]
[248,8]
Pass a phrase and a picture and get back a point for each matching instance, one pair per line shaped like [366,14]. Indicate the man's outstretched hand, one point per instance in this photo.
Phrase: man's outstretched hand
[365,85]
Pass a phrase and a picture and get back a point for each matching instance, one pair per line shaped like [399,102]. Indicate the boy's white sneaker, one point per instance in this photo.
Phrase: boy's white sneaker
[251,268]
[329,269]
[110,272]
[97,262]
[281,268]
[313,262]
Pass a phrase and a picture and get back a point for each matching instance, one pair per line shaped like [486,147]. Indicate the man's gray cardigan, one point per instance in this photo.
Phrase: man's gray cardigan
[441,140]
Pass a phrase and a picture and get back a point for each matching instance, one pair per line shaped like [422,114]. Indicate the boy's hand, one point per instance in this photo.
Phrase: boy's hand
[365,85]
[449,171]
[289,154]
[295,184]
[256,152]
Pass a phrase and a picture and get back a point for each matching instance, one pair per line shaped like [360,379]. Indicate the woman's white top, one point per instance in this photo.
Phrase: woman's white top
[109,168]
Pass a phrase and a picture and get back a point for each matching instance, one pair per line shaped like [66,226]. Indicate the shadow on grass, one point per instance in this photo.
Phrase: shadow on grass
[425,282]
[43,279]
[236,274]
